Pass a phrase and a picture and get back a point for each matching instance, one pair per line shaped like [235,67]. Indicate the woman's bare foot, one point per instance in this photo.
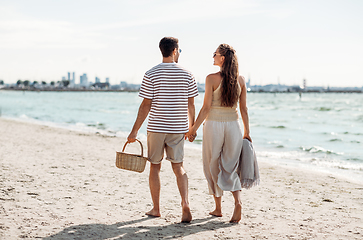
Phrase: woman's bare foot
[216,213]
[153,213]
[237,213]
[187,215]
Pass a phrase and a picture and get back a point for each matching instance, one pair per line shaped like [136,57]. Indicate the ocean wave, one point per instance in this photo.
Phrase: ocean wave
[341,165]
[357,134]
[350,168]
[24,116]
[98,125]
[331,133]
[335,109]
[335,140]
[317,149]
[355,159]
[278,144]
[333,163]
[83,109]
[323,109]
[279,127]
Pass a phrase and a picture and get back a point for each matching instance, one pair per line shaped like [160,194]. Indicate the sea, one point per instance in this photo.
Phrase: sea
[315,131]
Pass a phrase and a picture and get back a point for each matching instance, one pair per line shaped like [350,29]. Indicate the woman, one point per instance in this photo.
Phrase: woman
[222,135]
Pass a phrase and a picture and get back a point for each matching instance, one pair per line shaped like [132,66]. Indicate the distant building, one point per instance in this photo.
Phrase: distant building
[99,85]
[123,85]
[129,86]
[74,78]
[69,76]
[133,87]
[63,78]
[108,80]
[97,80]
[294,88]
[83,80]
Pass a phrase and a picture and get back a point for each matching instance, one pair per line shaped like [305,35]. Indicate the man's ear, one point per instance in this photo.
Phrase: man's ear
[175,51]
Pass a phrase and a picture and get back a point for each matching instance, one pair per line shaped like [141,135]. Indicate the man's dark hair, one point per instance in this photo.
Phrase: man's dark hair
[167,45]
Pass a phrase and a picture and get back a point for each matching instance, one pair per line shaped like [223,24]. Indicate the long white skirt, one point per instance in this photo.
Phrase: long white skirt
[222,145]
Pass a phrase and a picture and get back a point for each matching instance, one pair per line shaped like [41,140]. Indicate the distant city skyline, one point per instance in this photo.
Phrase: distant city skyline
[277,41]
[84,81]
[68,85]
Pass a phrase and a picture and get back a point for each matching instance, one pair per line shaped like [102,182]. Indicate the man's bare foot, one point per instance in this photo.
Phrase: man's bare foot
[216,213]
[153,213]
[237,213]
[187,215]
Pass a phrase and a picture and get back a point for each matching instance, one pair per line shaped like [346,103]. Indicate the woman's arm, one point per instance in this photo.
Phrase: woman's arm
[243,108]
[203,113]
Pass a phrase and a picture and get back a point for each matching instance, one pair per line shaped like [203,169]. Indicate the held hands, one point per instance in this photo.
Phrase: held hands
[191,135]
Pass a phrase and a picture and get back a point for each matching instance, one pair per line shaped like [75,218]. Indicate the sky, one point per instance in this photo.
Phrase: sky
[277,41]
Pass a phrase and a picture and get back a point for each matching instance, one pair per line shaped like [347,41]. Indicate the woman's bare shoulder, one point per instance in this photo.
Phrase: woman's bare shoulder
[213,80]
[213,77]
[241,80]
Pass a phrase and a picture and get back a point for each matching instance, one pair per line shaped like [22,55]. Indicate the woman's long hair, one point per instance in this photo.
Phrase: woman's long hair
[229,72]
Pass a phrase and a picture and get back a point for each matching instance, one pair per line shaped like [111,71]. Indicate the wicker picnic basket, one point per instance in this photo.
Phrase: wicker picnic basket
[131,162]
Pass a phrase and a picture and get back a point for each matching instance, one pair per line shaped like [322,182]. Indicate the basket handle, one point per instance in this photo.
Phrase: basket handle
[142,148]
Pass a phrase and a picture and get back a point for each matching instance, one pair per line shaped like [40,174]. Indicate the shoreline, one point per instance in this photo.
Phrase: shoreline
[62,184]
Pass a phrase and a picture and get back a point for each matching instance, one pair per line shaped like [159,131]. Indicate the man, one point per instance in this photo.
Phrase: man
[168,91]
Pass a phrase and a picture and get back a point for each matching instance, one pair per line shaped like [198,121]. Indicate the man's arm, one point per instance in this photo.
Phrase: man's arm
[144,110]
[191,111]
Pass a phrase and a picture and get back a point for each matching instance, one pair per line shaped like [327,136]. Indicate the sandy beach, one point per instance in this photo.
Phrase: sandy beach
[62,184]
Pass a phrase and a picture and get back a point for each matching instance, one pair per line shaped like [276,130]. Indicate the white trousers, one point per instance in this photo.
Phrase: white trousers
[222,145]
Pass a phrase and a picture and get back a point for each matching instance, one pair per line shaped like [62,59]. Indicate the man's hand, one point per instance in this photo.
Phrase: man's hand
[191,135]
[132,137]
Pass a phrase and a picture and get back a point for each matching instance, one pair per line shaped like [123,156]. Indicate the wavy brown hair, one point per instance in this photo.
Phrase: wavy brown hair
[229,72]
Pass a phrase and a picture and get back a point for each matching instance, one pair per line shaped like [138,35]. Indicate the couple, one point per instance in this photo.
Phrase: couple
[168,92]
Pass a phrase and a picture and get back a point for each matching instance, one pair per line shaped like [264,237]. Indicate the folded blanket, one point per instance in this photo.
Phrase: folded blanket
[248,169]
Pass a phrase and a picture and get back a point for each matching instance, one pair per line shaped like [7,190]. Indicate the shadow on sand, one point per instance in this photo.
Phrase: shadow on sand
[128,230]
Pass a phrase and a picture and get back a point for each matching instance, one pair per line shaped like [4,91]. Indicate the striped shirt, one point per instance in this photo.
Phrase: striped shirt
[169,86]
